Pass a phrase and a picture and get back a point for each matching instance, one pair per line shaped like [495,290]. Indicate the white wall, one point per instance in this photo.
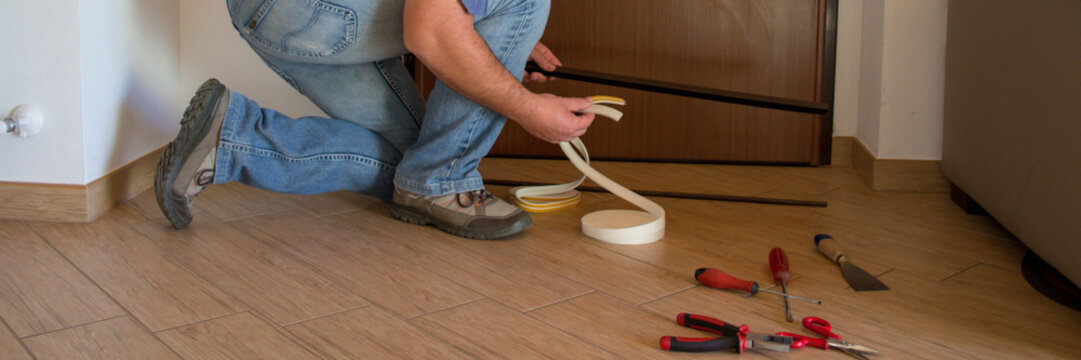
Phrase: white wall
[130,80]
[847,82]
[913,79]
[104,72]
[39,64]
[211,47]
[897,88]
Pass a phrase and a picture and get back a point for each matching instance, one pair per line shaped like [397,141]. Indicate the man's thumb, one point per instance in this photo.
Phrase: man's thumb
[582,103]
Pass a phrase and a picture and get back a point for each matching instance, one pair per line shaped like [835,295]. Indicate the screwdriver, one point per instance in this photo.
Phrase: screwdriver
[778,264]
[721,280]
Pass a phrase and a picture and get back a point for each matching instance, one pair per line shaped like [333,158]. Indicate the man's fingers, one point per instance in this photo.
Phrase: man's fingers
[579,104]
[544,57]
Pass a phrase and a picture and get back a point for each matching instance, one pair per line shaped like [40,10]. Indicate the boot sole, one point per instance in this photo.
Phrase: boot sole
[194,126]
[411,216]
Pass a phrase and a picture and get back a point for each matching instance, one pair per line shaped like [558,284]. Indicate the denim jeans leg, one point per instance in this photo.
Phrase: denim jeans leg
[266,149]
[380,96]
[345,57]
[457,132]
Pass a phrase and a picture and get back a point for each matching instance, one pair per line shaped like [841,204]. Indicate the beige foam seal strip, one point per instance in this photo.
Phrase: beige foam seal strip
[626,227]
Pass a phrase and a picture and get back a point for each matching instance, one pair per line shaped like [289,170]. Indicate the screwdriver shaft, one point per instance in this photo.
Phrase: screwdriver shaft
[787,308]
[813,301]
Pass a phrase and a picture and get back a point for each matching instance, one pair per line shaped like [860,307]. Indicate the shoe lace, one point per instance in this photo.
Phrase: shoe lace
[205,177]
[473,198]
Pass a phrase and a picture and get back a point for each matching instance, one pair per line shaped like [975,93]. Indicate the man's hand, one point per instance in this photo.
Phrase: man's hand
[544,58]
[556,119]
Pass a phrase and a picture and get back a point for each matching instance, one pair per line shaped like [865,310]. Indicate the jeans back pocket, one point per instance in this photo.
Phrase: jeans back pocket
[306,28]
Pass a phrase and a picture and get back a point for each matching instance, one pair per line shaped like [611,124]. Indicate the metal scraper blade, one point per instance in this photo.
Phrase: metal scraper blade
[860,280]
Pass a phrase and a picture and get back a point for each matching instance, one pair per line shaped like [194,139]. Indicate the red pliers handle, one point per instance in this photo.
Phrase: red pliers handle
[732,337]
[817,325]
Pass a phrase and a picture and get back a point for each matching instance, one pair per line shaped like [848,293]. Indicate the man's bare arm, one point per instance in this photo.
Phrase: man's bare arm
[441,34]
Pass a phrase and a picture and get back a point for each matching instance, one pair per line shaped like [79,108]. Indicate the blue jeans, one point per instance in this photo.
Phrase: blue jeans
[345,56]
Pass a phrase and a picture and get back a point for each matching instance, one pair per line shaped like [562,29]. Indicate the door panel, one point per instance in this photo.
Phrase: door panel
[767,47]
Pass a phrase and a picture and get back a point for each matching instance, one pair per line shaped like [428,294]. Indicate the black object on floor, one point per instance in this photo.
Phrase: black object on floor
[1050,282]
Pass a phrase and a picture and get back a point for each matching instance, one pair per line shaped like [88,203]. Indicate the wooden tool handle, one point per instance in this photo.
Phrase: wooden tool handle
[829,247]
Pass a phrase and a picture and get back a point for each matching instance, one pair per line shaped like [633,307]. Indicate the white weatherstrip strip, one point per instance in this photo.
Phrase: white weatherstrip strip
[625,227]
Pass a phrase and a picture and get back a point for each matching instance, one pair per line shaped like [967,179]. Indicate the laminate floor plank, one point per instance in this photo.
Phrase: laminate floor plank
[623,277]
[495,269]
[138,274]
[1007,290]
[488,330]
[233,201]
[931,208]
[371,333]
[10,347]
[731,238]
[876,249]
[113,339]
[395,283]
[970,328]
[144,207]
[330,203]
[40,291]
[240,336]
[283,288]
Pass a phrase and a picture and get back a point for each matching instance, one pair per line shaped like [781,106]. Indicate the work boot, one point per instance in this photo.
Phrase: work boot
[187,165]
[473,214]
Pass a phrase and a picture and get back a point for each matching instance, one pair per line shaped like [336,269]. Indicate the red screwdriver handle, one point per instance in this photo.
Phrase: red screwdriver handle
[778,264]
[721,280]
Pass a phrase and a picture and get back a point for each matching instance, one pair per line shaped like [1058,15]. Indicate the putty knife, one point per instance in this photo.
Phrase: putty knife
[858,279]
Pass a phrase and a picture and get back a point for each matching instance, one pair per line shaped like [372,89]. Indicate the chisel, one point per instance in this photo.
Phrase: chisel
[778,264]
[858,279]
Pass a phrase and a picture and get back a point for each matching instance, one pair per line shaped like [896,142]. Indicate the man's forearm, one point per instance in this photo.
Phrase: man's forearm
[441,34]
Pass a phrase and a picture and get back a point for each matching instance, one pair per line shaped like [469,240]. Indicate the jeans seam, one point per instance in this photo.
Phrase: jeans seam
[520,28]
[320,157]
[441,188]
[397,91]
[469,141]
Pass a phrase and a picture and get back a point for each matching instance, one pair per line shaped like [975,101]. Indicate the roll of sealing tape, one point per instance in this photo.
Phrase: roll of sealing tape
[625,227]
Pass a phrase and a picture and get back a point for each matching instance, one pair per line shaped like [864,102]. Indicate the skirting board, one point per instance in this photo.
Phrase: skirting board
[897,175]
[77,203]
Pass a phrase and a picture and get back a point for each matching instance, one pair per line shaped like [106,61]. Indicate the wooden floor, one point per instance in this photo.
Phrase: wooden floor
[270,276]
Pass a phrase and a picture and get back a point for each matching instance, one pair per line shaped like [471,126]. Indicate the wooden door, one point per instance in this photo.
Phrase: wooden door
[779,48]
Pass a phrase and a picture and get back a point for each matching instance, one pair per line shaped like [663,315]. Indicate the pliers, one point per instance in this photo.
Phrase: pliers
[732,337]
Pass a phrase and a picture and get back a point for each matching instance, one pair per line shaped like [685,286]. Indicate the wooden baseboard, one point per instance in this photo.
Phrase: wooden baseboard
[77,203]
[841,151]
[898,175]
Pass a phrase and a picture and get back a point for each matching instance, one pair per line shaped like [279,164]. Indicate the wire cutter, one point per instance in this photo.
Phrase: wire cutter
[732,337]
[830,341]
